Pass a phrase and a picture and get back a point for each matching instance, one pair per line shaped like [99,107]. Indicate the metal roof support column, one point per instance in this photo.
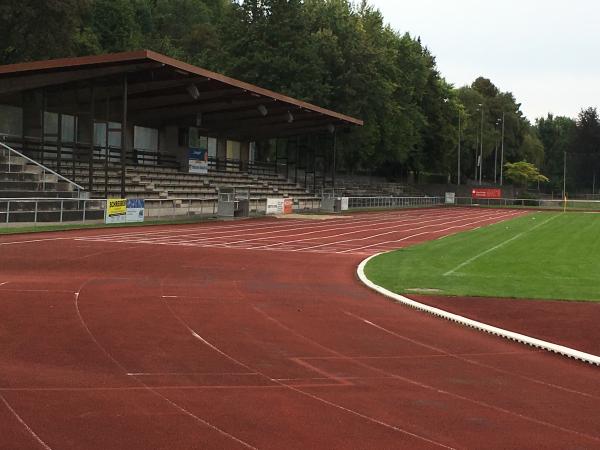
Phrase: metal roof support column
[124,136]
[59,143]
[91,155]
[334,162]
[106,146]
[287,159]
[314,151]
[297,160]
[43,128]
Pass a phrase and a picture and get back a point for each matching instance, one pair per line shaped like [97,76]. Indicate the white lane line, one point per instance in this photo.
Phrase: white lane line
[422,223]
[397,224]
[150,374]
[22,422]
[465,358]
[485,219]
[218,240]
[3,283]
[250,231]
[300,391]
[176,238]
[32,240]
[334,249]
[496,247]
[141,383]
[204,228]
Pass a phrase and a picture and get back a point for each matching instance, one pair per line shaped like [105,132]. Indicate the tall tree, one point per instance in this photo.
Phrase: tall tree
[40,29]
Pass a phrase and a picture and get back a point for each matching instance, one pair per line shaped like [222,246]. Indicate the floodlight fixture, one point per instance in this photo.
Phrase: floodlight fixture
[262,109]
[193,91]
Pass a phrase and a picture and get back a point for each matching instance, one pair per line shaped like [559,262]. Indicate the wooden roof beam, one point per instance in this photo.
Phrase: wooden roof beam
[27,82]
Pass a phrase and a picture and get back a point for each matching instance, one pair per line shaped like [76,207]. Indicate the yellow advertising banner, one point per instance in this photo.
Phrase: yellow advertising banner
[116,210]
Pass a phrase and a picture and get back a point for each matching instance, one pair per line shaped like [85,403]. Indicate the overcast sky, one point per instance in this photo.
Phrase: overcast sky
[546,52]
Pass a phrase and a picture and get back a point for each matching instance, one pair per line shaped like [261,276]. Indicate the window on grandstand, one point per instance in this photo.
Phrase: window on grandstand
[212,147]
[11,120]
[68,128]
[114,134]
[50,126]
[145,139]
[233,150]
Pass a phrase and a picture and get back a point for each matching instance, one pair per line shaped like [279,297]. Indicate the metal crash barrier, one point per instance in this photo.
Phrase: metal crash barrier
[233,201]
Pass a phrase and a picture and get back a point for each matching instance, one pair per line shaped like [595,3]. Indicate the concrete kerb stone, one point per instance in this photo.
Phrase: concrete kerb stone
[511,335]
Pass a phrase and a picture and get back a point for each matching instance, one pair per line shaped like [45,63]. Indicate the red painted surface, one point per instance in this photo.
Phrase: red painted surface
[246,334]
[573,324]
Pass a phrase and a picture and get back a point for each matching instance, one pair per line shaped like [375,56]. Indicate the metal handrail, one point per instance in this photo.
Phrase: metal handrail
[44,168]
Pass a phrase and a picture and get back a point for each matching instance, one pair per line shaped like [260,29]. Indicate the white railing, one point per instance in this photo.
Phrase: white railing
[551,204]
[37,210]
[58,210]
[393,202]
[10,153]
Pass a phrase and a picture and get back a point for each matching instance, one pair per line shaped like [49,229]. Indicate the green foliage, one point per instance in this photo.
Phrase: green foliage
[335,53]
[523,172]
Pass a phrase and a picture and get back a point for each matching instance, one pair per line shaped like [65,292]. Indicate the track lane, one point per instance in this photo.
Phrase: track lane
[345,377]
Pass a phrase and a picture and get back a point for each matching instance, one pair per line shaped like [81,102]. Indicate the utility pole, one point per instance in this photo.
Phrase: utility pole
[502,152]
[481,149]
[458,177]
[496,150]
[564,174]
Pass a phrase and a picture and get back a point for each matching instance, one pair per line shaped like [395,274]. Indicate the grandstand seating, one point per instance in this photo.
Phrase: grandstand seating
[349,186]
[21,180]
[164,182]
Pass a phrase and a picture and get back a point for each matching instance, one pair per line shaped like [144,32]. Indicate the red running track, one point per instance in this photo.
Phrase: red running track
[257,334]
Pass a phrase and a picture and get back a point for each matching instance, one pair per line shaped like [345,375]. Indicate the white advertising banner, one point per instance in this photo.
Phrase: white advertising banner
[275,205]
[344,204]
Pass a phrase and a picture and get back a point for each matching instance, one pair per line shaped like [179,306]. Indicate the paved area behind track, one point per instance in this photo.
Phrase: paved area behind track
[256,334]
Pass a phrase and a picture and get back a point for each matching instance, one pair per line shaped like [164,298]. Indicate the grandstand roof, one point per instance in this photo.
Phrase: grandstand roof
[164,90]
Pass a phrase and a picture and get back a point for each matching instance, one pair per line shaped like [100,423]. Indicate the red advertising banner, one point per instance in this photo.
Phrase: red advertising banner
[486,193]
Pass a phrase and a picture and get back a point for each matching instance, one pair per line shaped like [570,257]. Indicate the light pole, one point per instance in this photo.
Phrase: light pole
[458,176]
[502,152]
[480,159]
[496,150]
[564,174]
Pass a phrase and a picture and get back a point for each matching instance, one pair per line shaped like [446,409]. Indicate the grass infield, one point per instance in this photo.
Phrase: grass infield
[539,256]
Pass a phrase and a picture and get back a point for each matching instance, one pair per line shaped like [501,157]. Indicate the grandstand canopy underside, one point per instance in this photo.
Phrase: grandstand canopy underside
[160,91]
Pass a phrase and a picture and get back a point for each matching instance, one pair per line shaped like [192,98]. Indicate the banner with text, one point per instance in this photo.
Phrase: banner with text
[116,210]
[198,160]
[486,193]
[279,205]
[135,210]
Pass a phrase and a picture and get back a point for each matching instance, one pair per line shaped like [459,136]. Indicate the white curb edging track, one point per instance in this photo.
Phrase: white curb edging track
[560,349]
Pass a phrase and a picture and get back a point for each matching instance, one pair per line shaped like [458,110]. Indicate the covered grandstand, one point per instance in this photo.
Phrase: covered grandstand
[146,125]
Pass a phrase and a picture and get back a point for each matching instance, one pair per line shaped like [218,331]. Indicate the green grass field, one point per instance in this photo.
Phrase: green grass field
[541,256]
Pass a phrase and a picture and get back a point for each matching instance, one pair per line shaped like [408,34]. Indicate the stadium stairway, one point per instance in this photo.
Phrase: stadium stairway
[28,193]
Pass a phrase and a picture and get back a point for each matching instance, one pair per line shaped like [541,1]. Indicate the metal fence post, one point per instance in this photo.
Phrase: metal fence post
[61,210]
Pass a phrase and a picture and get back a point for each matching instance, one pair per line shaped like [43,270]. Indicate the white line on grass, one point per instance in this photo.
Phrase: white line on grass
[496,247]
